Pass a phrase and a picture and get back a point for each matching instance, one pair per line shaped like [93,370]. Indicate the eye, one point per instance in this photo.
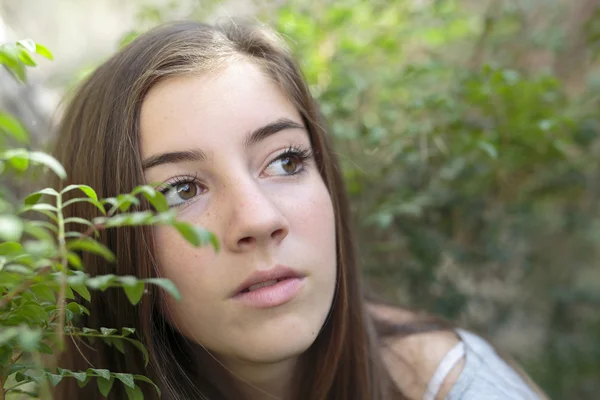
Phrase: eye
[178,193]
[291,162]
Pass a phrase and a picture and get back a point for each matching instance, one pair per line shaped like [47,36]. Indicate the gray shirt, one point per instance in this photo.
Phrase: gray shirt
[485,375]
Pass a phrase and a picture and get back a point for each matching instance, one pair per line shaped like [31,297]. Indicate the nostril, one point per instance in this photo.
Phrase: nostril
[246,241]
[277,233]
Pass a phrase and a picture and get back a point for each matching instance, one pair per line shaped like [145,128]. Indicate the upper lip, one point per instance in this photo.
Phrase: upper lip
[279,272]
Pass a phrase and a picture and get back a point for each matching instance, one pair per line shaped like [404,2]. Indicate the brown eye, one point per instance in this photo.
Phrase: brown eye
[289,164]
[186,191]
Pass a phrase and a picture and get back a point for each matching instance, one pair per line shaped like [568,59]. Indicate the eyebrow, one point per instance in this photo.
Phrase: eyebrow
[252,138]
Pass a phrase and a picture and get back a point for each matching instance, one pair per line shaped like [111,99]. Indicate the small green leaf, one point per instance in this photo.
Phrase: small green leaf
[147,380]
[107,331]
[12,127]
[118,343]
[29,339]
[8,334]
[54,378]
[27,44]
[134,394]
[89,192]
[91,246]
[43,51]
[127,379]
[77,220]
[134,293]
[43,293]
[167,285]
[127,331]
[195,235]
[124,201]
[10,248]
[154,197]
[45,159]
[74,260]
[80,376]
[101,282]
[104,373]
[96,203]
[82,291]
[105,385]
[26,58]
[11,228]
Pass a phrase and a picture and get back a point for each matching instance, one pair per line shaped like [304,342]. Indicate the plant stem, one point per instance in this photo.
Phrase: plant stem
[62,247]
[2,392]
[23,287]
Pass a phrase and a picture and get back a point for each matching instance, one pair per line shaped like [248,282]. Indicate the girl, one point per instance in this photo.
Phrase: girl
[221,117]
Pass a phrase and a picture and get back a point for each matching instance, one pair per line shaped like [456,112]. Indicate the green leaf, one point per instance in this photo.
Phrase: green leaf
[36,196]
[54,378]
[91,246]
[89,192]
[118,343]
[147,380]
[96,203]
[167,285]
[80,376]
[124,201]
[105,385]
[101,282]
[26,58]
[29,339]
[74,260]
[43,51]
[47,160]
[20,162]
[77,308]
[195,235]
[11,228]
[127,331]
[82,291]
[10,248]
[104,373]
[82,221]
[8,334]
[127,379]
[107,331]
[154,197]
[27,44]
[43,293]
[134,293]
[134,394]
[13,127]
[18,159]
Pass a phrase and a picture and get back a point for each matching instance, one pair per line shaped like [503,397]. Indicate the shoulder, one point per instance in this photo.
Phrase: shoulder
[449,364]
[414,359]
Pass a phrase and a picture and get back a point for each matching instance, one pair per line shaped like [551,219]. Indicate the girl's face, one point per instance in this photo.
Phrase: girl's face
[237,161]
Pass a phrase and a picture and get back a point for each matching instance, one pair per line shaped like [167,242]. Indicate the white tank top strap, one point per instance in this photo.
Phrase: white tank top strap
[443,369]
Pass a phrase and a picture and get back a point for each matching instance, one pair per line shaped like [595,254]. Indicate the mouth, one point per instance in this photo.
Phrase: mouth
[269,288]
[270,294]
[260,285]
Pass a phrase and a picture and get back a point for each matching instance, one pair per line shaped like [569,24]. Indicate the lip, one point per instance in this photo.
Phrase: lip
[289,284]
[279,272]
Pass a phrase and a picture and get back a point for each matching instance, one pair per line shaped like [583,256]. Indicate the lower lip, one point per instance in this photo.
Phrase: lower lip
[272,296]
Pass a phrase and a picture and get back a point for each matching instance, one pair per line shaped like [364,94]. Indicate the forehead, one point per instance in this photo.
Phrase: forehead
[188,110]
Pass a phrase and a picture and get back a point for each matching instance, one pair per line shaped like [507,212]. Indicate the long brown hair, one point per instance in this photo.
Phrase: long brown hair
[98,143]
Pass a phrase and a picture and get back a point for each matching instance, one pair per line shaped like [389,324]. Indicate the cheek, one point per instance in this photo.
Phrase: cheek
[187,267]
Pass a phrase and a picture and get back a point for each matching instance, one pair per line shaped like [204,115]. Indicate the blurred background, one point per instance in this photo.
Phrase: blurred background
[469,133]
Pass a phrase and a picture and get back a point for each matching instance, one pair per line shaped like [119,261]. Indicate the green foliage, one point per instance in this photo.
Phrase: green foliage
[41,267]
[465,168]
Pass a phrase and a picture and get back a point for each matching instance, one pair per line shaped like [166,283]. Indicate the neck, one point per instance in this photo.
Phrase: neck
[271,381]
[252,380]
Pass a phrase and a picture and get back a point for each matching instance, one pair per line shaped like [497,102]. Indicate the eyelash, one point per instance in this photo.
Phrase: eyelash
[303,154]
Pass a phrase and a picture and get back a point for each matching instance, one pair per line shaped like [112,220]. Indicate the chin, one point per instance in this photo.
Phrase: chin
[278,346]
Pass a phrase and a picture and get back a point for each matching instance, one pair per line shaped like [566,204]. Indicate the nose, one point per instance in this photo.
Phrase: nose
[255,220]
